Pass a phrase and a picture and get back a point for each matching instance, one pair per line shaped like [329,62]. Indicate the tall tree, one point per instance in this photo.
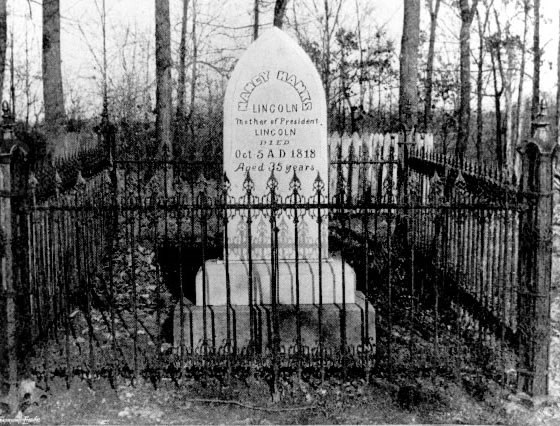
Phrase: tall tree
[3,43]
[53,94]
[479,78]
[163,74]
[194,73]
[408,94]
[182,64]
[467,12]
[256,13]
[180,119]
[520,102]
[557,120]
[434,11]
[279,12]
[495,45]
[536,62]
[361,50]
[328,30]
[511,44]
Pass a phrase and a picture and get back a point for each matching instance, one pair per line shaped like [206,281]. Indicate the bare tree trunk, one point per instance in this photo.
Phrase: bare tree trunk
[536,63]
[495,52]
[181,112]
[53,95]
[557,121]
[479,76]
[479,80]
[509,89]
[330,20]
[4,43]
[279,12]
[430,65]
[27,82]
[327,53]
[501,153]
[12,72]
[520,101]
[194,74]
[362,77]
[163,75]
[104,34]
[467,15]
[181,116]
[408,94]
[256,13]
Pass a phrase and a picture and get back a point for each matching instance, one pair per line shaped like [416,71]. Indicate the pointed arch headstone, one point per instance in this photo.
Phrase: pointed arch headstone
[275,120]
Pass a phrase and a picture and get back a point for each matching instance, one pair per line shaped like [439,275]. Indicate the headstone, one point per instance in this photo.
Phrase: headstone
[275,128]
[275,122]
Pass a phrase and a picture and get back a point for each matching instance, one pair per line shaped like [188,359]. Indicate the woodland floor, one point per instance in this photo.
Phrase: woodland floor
[334,402]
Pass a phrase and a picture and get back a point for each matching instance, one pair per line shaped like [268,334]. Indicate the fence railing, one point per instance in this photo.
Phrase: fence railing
[489,230]
[107,253]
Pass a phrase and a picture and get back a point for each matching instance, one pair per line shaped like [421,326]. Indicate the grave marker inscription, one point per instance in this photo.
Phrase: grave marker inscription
[275,121]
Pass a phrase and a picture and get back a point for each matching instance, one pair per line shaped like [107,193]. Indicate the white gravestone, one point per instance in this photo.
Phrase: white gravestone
[275,121]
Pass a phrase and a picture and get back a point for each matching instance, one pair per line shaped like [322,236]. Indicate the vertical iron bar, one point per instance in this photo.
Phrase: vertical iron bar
[295,199]
[389,195]
[114,226]
[225,189]
[274,284]
[67,271]
[252,319]
[204,225]
[343,343]
[132,219]
[366,200]
[179,242]
[320,266]
[47,293]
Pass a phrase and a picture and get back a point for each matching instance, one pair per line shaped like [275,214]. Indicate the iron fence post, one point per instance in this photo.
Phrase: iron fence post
[14,308]
[535,259]
[8,358]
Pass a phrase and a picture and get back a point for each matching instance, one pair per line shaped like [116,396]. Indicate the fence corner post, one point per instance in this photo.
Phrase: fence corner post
[8,356]
[10,289]
[535,258]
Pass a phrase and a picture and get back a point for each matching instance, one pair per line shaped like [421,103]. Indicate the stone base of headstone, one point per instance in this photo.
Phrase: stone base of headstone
[334,276]
[191,332]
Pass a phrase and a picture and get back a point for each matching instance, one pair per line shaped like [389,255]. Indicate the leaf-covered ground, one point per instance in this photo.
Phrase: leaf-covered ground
[249,401]
[336,402]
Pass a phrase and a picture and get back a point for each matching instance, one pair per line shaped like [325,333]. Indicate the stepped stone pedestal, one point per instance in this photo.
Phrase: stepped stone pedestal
[332,323]
[332,275]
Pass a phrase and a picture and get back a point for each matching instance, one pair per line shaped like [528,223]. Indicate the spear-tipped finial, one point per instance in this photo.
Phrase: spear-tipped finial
[318,184]
[248,184]
[272,182]
[226,184]
[295,183]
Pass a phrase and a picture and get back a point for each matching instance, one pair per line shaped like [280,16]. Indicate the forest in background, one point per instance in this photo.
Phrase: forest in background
[469,69]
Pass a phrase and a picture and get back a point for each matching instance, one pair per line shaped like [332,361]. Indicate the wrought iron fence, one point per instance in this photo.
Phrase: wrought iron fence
[111,275]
